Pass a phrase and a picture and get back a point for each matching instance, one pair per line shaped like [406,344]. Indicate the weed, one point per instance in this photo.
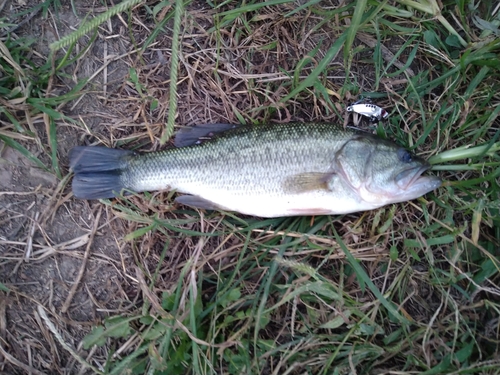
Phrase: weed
[409,288]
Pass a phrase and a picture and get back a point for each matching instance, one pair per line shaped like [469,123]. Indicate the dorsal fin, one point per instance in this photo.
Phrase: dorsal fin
[193,135]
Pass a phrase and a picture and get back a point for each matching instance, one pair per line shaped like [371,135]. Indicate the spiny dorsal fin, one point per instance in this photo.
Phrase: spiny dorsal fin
[193,135]
[308,181]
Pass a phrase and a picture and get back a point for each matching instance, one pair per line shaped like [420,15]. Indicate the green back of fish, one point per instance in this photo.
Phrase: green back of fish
[242,159]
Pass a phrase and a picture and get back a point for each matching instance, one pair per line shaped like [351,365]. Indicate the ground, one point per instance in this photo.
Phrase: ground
[67,265]
[48,239]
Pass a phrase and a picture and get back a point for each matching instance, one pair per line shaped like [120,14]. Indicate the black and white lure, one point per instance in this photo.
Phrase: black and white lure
[367,109]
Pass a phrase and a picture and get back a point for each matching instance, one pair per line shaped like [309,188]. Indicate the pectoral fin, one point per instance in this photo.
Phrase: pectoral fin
[198,202]
[192,135]
[309,181]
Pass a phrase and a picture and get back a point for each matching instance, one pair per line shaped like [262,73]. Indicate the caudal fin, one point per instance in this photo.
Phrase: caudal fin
[98,171]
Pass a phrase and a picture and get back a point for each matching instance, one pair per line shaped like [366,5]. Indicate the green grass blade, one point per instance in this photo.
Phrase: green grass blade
[3,288]
[92,24]
[354,27]
[174,70]
[24,151]
[465,153]
[311,78]
[362,275]
[52,138]
[307,5]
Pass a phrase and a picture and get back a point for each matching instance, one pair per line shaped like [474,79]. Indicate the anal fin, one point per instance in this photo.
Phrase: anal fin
[309,211]
[198,202]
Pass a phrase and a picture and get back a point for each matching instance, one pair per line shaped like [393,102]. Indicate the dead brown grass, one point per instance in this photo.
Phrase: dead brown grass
[65,262]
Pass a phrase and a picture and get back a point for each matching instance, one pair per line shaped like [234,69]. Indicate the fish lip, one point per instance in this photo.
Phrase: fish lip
[417,180]
[418,174]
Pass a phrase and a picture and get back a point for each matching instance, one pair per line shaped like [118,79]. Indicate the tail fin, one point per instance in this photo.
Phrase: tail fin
[98,171]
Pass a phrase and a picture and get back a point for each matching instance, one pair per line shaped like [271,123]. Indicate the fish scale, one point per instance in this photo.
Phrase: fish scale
[245,161]
[268,170]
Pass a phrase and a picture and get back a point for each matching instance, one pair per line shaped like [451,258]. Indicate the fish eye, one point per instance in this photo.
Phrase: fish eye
[404,156]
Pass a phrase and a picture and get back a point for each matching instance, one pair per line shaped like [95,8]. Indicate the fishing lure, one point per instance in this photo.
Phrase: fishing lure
[367,109]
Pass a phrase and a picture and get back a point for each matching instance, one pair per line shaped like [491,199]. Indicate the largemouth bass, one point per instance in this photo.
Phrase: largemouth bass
[269,171]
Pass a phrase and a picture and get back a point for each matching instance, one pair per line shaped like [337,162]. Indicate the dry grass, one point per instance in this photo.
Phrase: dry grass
[175,290]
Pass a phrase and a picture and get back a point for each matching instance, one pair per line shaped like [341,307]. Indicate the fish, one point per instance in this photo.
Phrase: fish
[272,170]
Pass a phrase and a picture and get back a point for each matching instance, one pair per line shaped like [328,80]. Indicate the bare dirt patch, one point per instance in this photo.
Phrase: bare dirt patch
[65,262]
[53,253]
[42,253]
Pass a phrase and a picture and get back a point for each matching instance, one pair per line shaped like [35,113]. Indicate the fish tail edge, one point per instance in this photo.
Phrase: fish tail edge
[98,171]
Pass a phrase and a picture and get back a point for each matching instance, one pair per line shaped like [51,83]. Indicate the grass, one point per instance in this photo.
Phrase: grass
[410,288]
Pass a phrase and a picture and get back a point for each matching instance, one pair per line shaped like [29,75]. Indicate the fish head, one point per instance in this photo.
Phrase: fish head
[381,172]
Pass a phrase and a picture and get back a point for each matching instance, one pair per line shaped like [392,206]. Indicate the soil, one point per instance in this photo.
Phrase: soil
[47,239]
[68,256]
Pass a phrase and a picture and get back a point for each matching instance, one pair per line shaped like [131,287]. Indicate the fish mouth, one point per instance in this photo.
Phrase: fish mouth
[412,180]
